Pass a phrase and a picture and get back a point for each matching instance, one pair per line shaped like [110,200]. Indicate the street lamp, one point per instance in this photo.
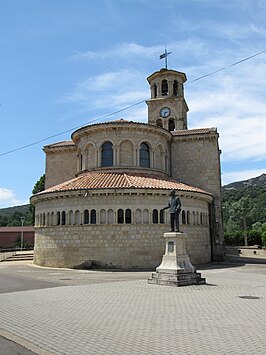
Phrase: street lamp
[21,240]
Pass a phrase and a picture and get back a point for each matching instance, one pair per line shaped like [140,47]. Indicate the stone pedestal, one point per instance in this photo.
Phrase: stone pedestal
[176,268]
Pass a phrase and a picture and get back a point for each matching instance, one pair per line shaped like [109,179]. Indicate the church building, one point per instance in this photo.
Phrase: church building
[107,186]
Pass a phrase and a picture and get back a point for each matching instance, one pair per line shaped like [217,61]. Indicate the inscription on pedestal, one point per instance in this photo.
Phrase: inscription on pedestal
[171,246]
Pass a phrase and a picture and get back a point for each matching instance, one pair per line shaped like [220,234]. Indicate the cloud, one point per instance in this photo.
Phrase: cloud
[8,198]
[111,90]
[232,100]
[133,53]
[121,50]
[233,176]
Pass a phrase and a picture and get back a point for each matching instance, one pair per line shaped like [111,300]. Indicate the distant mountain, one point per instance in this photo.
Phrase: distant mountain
[259,181]
[23,209]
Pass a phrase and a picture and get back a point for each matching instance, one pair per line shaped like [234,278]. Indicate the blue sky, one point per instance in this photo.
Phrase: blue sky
[67,62]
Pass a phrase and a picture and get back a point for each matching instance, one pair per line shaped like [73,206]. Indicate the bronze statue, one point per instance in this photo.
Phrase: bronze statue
[175,207]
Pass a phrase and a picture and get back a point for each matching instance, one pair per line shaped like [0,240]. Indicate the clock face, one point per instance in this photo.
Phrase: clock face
[165,112]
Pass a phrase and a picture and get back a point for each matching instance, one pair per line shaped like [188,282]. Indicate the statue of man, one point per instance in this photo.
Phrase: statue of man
[175,207]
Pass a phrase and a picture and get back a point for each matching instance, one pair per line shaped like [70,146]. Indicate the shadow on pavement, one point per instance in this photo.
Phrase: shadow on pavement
[230,262]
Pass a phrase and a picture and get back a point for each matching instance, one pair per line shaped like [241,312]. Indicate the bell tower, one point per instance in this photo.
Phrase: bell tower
[167,107]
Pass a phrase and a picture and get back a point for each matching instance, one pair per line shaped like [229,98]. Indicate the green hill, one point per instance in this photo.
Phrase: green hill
[244,209]
[11,216]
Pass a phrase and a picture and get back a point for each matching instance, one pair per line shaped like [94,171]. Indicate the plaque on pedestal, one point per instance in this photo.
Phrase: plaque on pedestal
[176,268]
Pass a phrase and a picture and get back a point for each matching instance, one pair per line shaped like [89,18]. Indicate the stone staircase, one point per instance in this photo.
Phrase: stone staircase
[20,256]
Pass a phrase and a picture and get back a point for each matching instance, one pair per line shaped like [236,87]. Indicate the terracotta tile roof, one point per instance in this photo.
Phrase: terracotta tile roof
[187,132]
[60,144]
[115,179]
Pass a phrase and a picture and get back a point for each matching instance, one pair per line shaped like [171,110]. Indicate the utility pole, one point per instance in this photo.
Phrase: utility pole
[21,239]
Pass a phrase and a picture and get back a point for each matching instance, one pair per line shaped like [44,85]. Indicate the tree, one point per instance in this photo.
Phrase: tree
[242,210]
[38,187]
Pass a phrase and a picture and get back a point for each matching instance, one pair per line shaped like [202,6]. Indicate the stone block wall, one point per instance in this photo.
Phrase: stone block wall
[61,165]
[119,246]
[196,161]
[138,244]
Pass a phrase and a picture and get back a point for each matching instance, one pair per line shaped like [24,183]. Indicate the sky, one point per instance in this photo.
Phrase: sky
[67,63]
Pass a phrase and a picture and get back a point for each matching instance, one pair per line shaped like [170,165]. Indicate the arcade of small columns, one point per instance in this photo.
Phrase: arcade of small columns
[118,216]
[125,153]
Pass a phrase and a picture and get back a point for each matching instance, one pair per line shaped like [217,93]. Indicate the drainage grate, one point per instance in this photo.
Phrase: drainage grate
[249,297]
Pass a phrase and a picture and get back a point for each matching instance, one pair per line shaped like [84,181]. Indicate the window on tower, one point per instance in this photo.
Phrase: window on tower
[107,154]
[164,87]
[175,88]
[144,155]
[171,125]
[154,90]
[159,123]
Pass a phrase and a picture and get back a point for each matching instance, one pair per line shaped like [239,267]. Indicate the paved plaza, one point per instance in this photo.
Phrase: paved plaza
[76,312]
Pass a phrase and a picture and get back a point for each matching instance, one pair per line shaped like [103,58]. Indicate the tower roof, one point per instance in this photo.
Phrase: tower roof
[166,72]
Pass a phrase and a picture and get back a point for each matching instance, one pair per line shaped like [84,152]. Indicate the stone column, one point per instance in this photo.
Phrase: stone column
[159,89]
[170,88]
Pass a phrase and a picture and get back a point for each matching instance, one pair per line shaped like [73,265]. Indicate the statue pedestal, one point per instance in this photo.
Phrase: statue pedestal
[176,268]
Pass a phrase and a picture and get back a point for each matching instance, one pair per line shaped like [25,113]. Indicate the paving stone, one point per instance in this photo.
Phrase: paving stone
[134,317]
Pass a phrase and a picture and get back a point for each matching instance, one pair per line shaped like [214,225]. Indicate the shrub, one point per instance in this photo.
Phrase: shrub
[234,238]
[263,238]
[254,237]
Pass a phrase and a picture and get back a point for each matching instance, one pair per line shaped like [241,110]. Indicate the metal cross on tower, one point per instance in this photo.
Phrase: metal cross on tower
[165,55]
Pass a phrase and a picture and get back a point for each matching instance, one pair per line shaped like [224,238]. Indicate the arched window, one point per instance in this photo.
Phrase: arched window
[193,218]
[155,216]
[164,87]
[86,217]
[171,125]
[154,90]
[128,216]
[201,218]
[161,216]
[71,217]
[107,154]
[144,155]
[159,123]
[93,217]
[63,218]
[57,218]
[120,216]
[188,217]
[183,217]
[48,219]
[81,161]
[175,88]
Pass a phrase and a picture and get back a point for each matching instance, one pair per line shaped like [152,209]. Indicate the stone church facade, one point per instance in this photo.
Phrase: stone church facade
[107,186]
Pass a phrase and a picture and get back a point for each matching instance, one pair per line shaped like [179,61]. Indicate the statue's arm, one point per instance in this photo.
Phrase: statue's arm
[178,205]
[166,207]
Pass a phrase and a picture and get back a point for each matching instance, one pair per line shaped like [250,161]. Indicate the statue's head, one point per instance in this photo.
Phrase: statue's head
[172,193]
